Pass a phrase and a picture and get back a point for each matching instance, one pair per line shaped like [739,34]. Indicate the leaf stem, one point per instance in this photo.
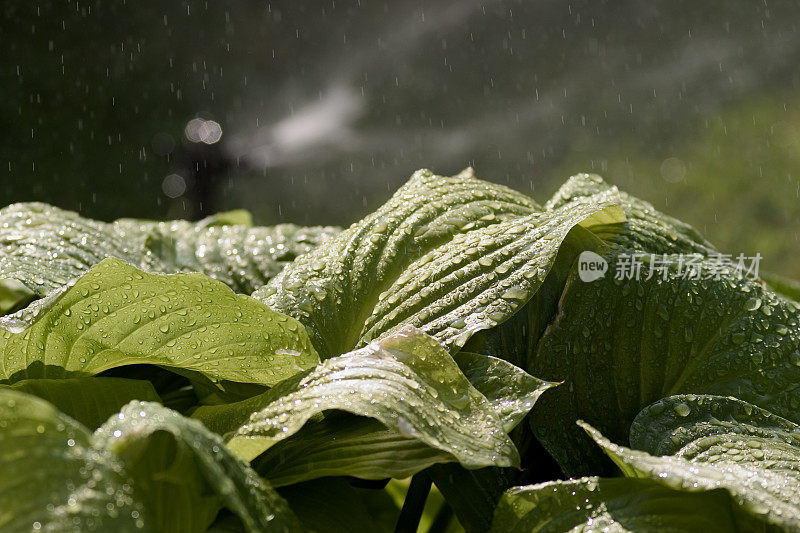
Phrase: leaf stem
[414,504]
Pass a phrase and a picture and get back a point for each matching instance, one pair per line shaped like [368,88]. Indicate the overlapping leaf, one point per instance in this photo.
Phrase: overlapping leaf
[451,256]
[177,476]
[42,248]
[758,466]
[621,344]
[645,228]
[617,504]
[408,383]
[88,400]
[242,257]
[116,315]
[54,479]
[342,444]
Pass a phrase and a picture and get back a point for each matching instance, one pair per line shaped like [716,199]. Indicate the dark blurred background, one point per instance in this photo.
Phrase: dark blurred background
[315,112]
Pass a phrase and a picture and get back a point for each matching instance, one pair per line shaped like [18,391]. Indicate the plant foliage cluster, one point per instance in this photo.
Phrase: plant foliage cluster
[215,376]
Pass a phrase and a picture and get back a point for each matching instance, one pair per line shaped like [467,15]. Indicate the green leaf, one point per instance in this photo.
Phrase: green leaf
[183,475]
[333,506]
[620,345]
[674,426]
[451,256]
[617,504]
[511,391]
[242,257]
[644,228]
[90,401]
[758,467]
[116,315]
[472,494]
[343,444]
[334,289]
[43,247]
[480,279]
[409,383]
[54,479]
[786,287]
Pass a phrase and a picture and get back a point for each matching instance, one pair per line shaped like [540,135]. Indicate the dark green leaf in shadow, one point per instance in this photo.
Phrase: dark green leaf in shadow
[331,505]
[758,467]
[90,401]
[616,504]
[186,473]
[621,344]
[53,479]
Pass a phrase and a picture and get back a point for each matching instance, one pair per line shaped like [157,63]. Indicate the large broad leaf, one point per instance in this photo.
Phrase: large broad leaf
[116,315]
[642,229]
[54,479]
[334,289]
[89,400]
[449,255]
[407,382]
[183,472]
[681,425]
[621,344]
[617,504]
[645,228]
[754,457]
[343,444]
[242,257]
[42,248]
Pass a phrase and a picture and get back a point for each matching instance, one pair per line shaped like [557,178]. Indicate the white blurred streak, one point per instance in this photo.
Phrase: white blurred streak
[317,128]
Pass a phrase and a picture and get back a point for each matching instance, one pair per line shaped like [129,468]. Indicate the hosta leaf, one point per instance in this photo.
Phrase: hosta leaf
[116,315]
[645,228]
[481,278]
[242,257]
[53,479]
[786,287]
[89,401]
[43,247]
[620,345]
[343,444]
[618,505]
[410,263]
[334,289]
[331,505]
[510,390]
[759,468]
[409,383]
[172,472]
[684,424]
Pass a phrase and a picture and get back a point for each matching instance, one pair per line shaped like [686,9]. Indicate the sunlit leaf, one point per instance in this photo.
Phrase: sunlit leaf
[117,315]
